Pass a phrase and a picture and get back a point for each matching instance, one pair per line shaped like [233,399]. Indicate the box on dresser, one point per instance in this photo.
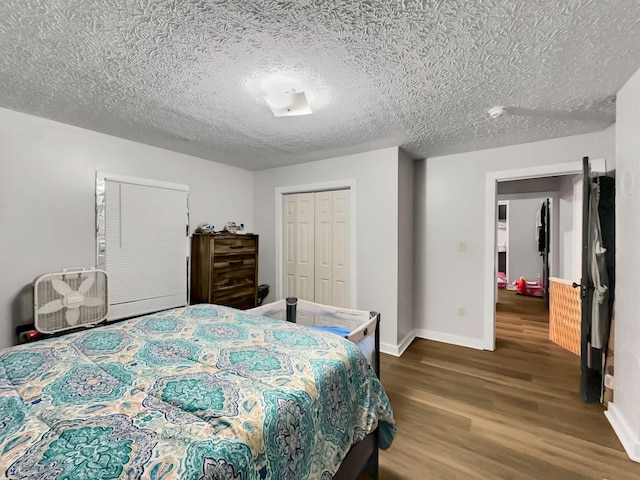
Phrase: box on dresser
[224,269]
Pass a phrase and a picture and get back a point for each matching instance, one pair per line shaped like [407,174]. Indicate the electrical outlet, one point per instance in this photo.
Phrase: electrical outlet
[461,311]
[462,245]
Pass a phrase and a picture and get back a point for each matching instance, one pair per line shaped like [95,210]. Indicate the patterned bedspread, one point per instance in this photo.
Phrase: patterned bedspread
[202,392]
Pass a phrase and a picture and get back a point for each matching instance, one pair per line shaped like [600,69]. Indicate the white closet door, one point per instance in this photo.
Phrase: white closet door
[324,247]
[341,261]
[305,236]
[290,248]
[299,242]
[317,249]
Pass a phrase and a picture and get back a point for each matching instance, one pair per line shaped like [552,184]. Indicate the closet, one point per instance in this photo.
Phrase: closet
[316,234]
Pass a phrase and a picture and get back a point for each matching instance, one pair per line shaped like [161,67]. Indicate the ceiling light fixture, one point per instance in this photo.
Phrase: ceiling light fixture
[285,97]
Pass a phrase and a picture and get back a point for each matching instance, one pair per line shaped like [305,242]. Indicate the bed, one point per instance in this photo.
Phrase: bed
[200,392]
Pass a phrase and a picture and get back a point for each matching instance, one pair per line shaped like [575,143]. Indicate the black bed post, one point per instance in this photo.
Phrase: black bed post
[372,466]
[292,303]
[376,360]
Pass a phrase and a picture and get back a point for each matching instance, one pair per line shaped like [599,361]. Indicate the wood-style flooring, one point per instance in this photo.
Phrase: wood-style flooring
[510,414]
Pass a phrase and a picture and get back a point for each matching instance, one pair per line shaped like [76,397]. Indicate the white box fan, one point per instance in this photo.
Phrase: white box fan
[70,299]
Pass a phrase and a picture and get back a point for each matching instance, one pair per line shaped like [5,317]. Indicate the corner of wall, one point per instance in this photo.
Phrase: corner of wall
[624,432]
[610,139]
[406,235]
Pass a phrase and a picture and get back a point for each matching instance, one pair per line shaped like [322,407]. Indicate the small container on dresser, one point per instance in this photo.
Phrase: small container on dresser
[224,269]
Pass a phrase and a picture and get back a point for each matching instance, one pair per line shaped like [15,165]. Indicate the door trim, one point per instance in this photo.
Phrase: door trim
[349,184]
[492,179]
[506,268]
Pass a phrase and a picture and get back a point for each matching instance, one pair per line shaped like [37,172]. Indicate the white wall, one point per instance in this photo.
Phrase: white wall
[376,175]
[570,230]
[564,259]
[624,413]
[524,258]
[533,190]
[453,194]
[47,199]
[405,246]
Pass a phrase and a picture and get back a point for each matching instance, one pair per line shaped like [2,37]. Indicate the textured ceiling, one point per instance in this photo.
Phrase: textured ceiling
[186,75]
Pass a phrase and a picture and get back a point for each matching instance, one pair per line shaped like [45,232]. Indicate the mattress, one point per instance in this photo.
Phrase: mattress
[196,392]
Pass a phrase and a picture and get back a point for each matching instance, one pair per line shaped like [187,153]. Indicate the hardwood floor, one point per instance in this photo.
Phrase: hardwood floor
[510,414]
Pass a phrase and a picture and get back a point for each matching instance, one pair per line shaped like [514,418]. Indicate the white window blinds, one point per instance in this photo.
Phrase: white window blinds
[145,245]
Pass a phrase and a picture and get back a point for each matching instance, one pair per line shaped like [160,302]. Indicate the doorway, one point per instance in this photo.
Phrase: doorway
[527,255]
[491,213]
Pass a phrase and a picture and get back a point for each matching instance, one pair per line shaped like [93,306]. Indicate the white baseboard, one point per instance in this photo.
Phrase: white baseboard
[629,441]
[476,343]
[397,350]
[406,341]
[389,349]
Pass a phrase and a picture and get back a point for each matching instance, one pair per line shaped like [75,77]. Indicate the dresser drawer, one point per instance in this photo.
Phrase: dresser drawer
[233,262]
[233,277]
[234,246]
[235,296]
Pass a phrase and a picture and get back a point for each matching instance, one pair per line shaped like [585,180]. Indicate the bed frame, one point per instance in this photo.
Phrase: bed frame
[362,457]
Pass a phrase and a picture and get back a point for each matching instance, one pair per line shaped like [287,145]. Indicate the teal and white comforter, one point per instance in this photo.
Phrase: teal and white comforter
[202,392]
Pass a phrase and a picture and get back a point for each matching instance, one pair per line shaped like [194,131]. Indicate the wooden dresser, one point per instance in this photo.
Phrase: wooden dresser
[224,270]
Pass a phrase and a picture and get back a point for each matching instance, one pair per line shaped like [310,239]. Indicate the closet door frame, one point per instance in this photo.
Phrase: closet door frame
[280,192]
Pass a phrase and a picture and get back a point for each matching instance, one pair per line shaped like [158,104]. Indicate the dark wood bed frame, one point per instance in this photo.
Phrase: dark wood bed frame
[362,457]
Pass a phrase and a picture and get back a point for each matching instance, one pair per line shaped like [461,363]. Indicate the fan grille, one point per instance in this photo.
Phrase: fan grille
[57,321]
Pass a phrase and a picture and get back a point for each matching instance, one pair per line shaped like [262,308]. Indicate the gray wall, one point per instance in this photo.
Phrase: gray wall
[452,192]
[530,185]
[570,233]
[47,199]
[524,258]
[376,175]
[405,245]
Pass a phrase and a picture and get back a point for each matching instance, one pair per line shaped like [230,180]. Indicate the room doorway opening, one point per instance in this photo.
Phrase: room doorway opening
[491,212]
[527,255]
[580,310]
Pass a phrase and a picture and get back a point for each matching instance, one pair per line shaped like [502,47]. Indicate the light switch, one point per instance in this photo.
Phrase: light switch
[462,245]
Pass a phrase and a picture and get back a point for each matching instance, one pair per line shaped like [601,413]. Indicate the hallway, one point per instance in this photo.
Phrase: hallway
[510,414]
[522,319]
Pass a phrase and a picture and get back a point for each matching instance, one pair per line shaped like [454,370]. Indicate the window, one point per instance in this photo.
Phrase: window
[142,243]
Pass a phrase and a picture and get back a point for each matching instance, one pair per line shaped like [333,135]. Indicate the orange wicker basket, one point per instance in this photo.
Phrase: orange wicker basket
[564,314]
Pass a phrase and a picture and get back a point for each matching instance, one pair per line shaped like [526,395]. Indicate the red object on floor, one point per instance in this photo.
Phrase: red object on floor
[533,289]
